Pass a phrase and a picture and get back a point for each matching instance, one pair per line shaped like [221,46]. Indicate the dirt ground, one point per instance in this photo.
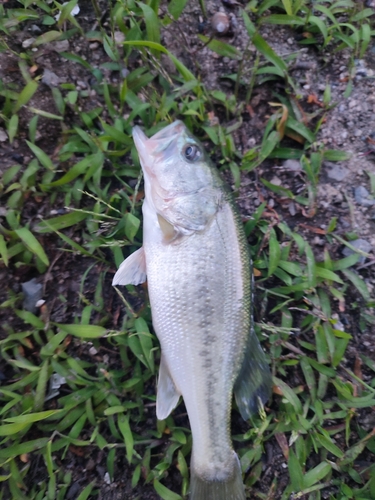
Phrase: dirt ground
[349,126]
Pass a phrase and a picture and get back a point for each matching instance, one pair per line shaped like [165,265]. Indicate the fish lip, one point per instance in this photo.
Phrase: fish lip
[147,147]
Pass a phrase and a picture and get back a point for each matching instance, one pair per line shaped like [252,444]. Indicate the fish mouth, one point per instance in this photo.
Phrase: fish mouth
[149,147]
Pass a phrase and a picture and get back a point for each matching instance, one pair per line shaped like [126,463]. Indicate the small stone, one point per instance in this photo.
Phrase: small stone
[119,37]
[336,172]
[275,180]
[33,292]
[56,381]
[93,45]
[328,195]
[62,46]
[251,142]
[294,165]
[3,135]
[28,43]
[81,84]
[93,351]
[344,134]
[359,244]
[220,23]
[35,29]
[318,241]
[50,79]
[363,197]
[292,208]
[338,325]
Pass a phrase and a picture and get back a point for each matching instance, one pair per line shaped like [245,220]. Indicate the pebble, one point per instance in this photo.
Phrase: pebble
[33,292]
[93,45]
[119,37]
[336,172]
[61,46]
[50,78]
[28,43]
[292,208]
[251,142]
[318,241]
[35,29]
[81,84]
[344,134]
[359,244]
[3,135]
[275,180]
[363,197]
[294,165]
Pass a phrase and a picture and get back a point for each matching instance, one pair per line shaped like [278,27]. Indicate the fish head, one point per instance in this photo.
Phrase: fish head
[182,186]
[173,161]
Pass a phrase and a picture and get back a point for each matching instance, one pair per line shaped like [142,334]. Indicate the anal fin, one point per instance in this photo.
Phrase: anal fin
[132,271]
[254,382]
[167,396]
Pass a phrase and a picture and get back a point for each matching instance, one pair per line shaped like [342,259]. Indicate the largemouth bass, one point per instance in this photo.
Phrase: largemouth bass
[195,256]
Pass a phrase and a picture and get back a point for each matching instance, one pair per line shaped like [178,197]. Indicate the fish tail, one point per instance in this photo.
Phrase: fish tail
[228,489]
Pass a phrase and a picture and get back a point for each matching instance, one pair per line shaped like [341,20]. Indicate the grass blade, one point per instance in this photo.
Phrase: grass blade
[25,95]
[32,244]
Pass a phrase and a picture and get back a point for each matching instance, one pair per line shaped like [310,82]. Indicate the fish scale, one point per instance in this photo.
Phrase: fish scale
[197,263]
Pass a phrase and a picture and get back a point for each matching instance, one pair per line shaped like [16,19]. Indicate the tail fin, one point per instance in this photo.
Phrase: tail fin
[232,489]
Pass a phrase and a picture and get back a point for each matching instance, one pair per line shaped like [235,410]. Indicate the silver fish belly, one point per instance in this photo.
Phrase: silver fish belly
[199,279]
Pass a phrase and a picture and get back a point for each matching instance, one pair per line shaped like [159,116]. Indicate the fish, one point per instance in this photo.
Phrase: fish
[196,261]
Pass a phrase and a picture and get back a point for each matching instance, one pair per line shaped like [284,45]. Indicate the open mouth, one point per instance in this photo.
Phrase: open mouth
[158,143]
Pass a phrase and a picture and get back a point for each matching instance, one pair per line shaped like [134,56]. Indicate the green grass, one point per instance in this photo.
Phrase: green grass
[103,402]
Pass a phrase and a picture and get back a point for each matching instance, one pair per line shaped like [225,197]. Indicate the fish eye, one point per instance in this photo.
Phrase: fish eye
[192,152]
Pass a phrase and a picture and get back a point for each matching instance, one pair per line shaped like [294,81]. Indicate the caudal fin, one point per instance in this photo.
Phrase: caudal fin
[232,489]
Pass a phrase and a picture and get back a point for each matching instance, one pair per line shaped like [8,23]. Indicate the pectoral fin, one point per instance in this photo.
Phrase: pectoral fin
[167,229]
[254,382]
[168,396]
[132,271]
